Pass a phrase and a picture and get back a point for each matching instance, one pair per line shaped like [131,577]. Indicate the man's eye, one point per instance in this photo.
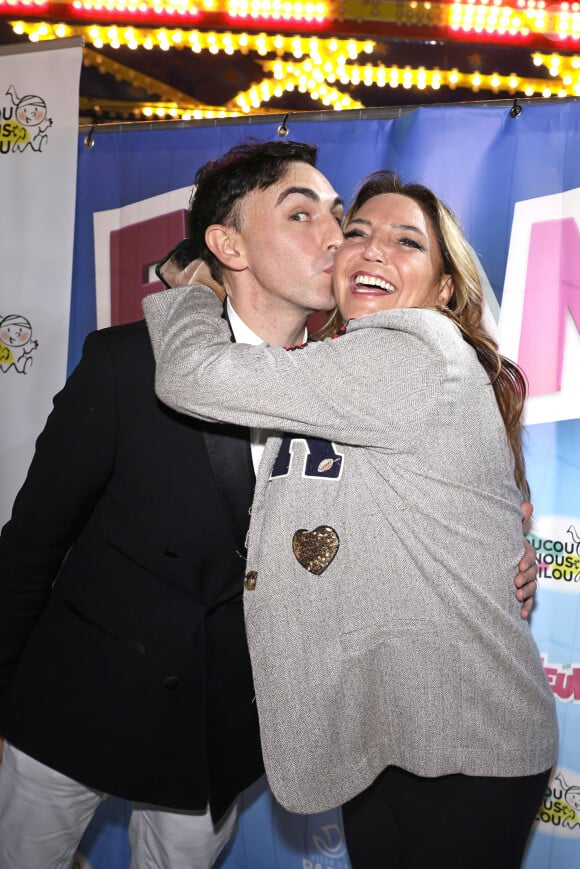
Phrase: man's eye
[299,216]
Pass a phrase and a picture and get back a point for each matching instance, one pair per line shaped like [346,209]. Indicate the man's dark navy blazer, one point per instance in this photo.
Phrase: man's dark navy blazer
[123,658]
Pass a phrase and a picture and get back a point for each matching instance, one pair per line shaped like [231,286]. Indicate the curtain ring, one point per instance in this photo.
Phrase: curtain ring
[516,109]
[89,142]
[283,129]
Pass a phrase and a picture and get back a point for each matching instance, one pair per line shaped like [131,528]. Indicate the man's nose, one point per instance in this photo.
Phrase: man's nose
[335,237]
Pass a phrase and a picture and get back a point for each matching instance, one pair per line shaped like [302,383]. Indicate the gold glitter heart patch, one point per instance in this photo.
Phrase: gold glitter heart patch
[315,549]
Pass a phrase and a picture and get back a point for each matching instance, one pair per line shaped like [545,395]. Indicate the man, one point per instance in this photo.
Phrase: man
[130,675]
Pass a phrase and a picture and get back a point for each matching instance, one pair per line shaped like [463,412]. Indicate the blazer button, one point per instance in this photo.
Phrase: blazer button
[250,581]
[171,553]
[172,682]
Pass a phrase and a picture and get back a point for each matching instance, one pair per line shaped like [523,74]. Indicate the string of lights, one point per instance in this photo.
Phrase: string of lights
[326,66]
[516,22]
[317,66]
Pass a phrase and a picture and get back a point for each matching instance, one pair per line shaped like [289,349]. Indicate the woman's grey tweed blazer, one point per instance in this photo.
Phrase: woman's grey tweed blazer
[380,608]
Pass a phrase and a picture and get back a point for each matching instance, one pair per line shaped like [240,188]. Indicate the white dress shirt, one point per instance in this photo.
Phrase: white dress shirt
[244,335]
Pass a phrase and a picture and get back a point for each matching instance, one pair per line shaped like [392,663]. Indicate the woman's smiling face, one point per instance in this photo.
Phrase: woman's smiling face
[389,259]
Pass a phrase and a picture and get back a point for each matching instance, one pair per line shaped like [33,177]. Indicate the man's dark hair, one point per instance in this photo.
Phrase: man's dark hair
[220,185]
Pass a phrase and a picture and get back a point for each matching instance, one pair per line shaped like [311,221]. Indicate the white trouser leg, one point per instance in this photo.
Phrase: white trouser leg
[162,839]
[43,814]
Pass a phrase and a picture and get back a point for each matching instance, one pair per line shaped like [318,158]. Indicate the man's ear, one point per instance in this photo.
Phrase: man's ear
[223,243]
[445,290]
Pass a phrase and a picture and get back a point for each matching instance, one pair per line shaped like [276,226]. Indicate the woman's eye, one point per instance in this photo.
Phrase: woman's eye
[411,242]
[353,233]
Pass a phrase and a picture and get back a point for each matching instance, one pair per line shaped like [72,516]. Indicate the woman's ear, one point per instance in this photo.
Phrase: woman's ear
[445,290]
[222,241]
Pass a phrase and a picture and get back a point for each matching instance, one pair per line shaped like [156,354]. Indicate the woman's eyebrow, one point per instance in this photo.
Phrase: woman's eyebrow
[408,227]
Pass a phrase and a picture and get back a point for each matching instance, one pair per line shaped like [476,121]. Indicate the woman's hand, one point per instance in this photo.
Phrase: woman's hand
[199,273]
[195,272]
[526,579]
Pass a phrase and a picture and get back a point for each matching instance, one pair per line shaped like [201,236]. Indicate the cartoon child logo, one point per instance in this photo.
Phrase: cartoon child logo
[571,794]
[31,114]
[575,538]
[16,344]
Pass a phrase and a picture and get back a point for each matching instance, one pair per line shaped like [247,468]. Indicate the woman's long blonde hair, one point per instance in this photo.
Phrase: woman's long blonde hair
[465,307]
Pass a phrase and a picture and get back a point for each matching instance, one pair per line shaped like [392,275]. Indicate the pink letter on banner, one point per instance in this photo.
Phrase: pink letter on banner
[552,289]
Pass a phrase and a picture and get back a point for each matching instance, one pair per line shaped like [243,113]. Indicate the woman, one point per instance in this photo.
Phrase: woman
[388,672]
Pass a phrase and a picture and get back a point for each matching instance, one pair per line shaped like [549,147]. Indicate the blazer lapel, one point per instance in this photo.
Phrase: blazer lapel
[228,447]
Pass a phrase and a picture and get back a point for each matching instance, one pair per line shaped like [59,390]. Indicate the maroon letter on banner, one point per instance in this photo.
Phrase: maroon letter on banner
[134,251]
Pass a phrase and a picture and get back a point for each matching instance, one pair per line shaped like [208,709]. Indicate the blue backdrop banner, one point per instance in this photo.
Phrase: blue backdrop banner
[515,184]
